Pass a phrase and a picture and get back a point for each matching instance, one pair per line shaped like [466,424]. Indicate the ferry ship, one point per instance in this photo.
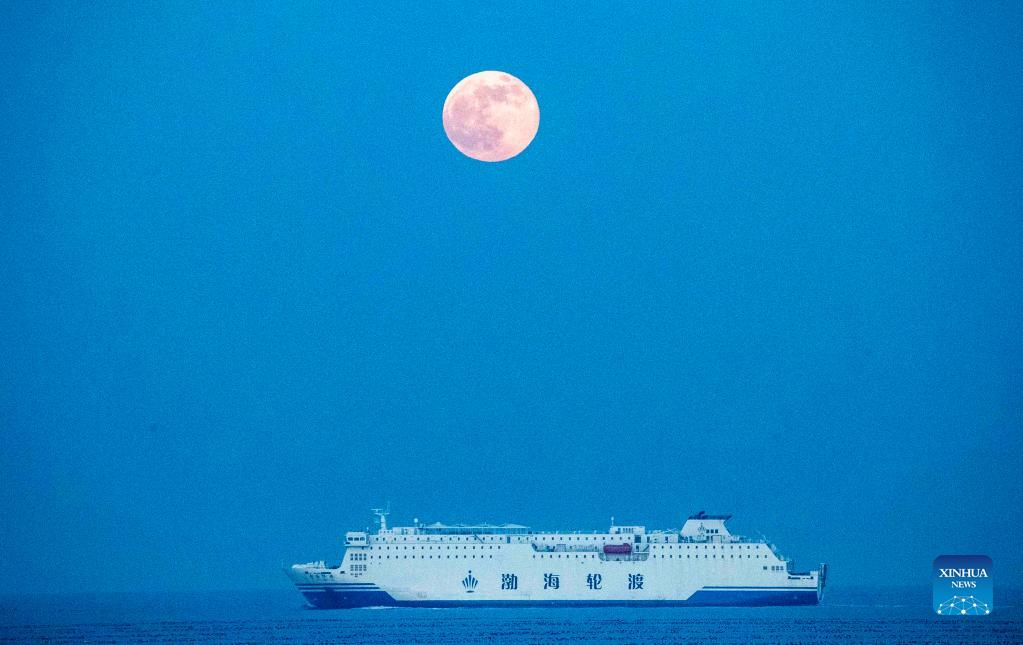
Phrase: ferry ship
[509,565]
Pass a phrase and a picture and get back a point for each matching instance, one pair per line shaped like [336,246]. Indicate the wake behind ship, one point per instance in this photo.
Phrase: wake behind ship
[509,565]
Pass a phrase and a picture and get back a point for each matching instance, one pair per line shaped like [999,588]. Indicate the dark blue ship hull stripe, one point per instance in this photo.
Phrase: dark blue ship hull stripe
[369,586]
[330,585]
[336,584]
[338,587]
[763,596]
[748,588]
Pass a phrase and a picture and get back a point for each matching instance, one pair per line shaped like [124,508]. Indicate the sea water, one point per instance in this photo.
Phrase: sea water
[847,615]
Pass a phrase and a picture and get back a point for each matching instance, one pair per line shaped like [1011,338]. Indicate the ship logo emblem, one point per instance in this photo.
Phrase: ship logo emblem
[470,582]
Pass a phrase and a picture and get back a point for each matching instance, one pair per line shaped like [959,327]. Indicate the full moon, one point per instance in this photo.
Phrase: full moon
[491,116]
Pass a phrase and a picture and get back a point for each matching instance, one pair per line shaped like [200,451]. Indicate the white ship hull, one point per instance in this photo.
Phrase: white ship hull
[484,566]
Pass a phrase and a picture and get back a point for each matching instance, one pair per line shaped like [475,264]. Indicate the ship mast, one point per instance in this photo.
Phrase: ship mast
[382,514]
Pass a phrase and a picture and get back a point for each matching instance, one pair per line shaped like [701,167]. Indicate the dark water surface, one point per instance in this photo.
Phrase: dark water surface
[849,615]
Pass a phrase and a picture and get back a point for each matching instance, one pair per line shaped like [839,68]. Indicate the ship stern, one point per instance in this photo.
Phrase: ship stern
[822,576]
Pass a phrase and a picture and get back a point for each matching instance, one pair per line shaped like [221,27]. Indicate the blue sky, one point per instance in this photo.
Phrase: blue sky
[761,259]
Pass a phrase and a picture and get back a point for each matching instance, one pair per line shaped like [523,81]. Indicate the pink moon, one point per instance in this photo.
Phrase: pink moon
[491,116]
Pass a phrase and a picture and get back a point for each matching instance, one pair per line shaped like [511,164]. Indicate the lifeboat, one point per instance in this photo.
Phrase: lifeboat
[618,548]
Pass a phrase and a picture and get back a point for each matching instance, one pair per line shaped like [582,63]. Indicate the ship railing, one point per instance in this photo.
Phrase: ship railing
[733,539]
[560,546]
[635,556]
[565,548]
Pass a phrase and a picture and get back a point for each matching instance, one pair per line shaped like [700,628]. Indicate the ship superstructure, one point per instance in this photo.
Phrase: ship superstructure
[441,565]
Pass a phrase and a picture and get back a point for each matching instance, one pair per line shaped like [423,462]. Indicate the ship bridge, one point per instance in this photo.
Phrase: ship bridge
[705,527]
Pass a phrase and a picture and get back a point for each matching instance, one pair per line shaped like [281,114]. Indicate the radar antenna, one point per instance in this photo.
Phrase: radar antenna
[382,514]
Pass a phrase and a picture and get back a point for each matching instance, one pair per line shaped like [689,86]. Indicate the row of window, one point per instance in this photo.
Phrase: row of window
[704,546]
[671,555]
[576,538]
[705,556]
[445,539]
[430,557]
[558,556]
[529,537]
[656,546]
[464,547]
